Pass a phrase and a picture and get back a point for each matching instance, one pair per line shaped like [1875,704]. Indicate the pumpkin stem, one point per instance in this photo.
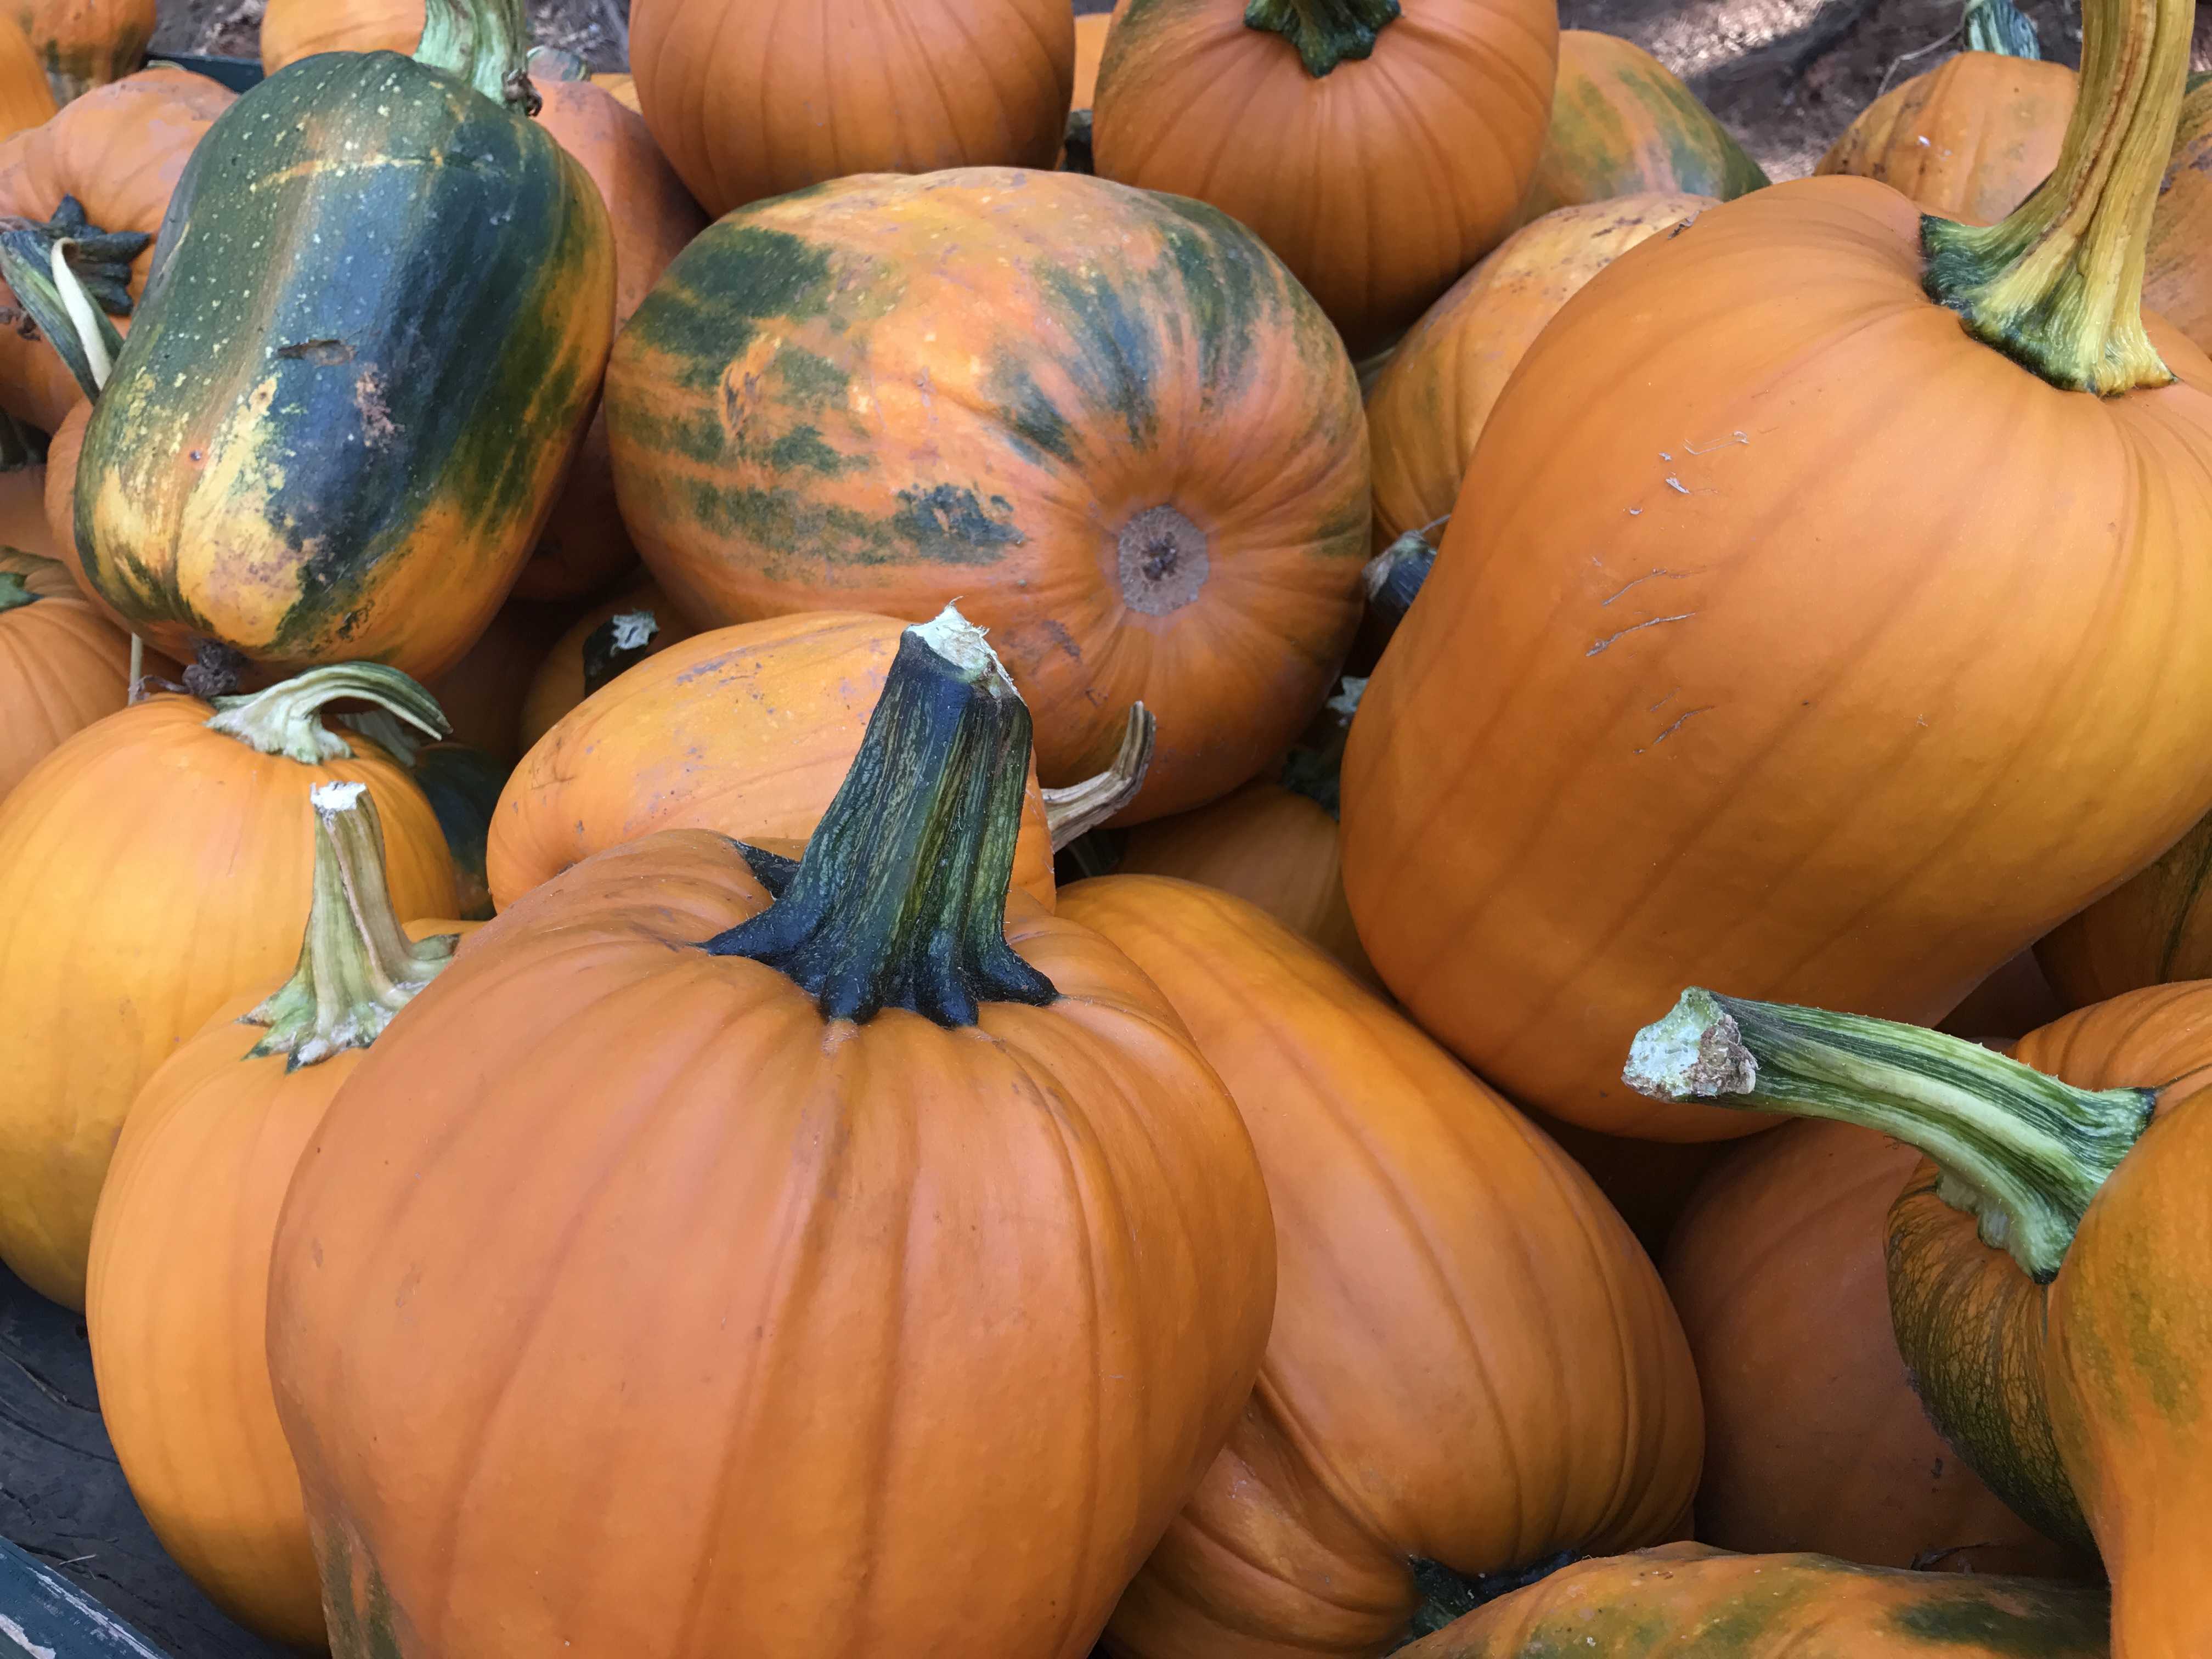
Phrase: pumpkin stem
[287,719]
[486,43]
[2020,1152]
[2000,26]
[899,901]
[1393,578]
[1076,811]
[1314,767]
[1079,152]
[357,967]
[388,732]
[2057,285]
[15,593]
[69,276]
[1325,32]
[616,644]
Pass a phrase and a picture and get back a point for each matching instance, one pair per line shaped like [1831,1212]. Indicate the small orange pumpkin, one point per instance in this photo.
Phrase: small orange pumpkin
[118,151]
[598,645]
[1968,139]
[85,44]
[1624,124]
[1441,382]
[1399,1184]
[753,102]
[483,694]
[956,1229]
[1379,153]
[152,867]
[293,29]
[177,1301]
[744,731]
[61,665]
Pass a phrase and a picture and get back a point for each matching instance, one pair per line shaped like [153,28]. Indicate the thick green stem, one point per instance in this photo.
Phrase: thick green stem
[14,593]
[2000,26]
[899,901]
[1325,32]
[1075,811]
[616,644]
[357,967]
[486,43]
[287,718]
[2020,1152]
[69,276]
[1395,576]
[2057,284]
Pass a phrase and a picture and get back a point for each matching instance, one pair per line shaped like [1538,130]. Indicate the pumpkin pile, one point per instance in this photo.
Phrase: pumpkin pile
[880,847]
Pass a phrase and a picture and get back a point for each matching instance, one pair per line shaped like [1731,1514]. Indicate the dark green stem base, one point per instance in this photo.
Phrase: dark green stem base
[1325,32]
[900,900]
[14,593]
[1395,577]
[616,644]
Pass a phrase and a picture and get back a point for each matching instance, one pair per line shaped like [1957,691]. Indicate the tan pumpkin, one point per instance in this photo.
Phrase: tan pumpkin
[1429,404]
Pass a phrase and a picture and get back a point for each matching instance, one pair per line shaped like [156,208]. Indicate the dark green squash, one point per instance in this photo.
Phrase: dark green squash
[380,306]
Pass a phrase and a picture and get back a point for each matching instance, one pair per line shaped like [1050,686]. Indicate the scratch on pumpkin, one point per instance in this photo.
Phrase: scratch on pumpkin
[1635,628]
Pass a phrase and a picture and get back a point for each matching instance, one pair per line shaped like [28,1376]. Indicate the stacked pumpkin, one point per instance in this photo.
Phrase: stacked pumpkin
[846,1089]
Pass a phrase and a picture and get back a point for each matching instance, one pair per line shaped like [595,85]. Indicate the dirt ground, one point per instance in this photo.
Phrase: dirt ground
[1787,75]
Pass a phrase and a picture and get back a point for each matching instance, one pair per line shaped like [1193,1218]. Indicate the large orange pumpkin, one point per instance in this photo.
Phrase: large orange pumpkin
[599,644]
[698,1267]
[753,102]
[584,546]
[153,868]
[2177,275]
[293,29]
[177,1301]
[2154,929]
[1815,1440]
[1429,404]
[482,695]
[1687,1602]
[118,151]
[1380,154]
[744,731]
[61,665]
[1697,691]
[1968,139]
[1623,124]
[1146,474]
[1271,847]
[1400,1184]
[2047,1259]
[85,44]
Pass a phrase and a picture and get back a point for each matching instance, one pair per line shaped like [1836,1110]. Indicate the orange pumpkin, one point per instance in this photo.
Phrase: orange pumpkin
[1968,139]
[1147,476]
[1269,846]
[755,101]
[2064,1364]
[955,1226]
[62,666]
[2155,928]
[1815,1440]
[152,867]
[623,89]
[2177,275]
[598,645]
[85,43]
[1379,154]
[1441,382]
[26,99]
[483,694]
[1399,1184]
[118,151]
[1696,693]
[1624,124]
[293,29]
[1685,1600]
[1090,51]
[584,546]
[744,731]
[177,1301]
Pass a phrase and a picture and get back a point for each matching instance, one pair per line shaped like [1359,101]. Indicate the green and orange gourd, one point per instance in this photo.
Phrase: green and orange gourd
[153,868]
[1696,694]
[1379,150]
[1147,476]
[84,44]
[2046,1258]
[177,1301]
[957,1229]
[236,479]
[1333,1520]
